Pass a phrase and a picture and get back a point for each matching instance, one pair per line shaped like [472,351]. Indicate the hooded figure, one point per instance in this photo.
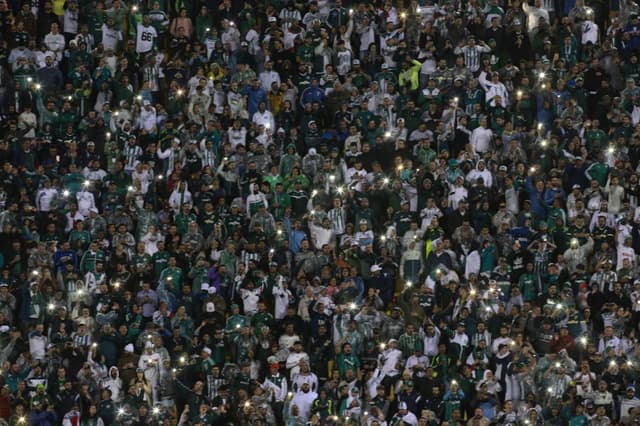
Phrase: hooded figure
[289,159]
[312,163]
[481,171]
[113,383]
[150,363]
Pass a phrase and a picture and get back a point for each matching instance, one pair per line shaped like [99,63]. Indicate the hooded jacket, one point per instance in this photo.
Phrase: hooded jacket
[484,174]
[114,384]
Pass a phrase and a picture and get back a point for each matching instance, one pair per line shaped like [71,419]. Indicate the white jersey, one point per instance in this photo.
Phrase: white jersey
[85,202]
[628,253]
[110,38]
[145,38]
[44,199]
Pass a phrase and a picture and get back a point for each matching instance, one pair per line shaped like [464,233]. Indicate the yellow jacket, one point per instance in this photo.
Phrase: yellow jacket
[411,77]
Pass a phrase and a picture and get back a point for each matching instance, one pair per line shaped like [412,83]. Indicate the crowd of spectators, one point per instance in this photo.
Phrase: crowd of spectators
[396,212]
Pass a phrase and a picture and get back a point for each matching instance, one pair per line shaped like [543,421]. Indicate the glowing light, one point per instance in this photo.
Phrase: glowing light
[156,410]
[116,284]
[403,15]
[117,113]
[279,232]
[247,404]
[382,346]
[340,190]
[208,29]
[139,97]
[487,308]
[352,306]
[134,8]
[574,242]
[383,238]
[121,411]
[108,135]
[559,306]
[35,272]
[86,183]
[387,134]
[65,193]
[454,382]
[542,75]
[29,79]
[130,189]
[519,94]
[611,150]
[350,11]
[557,365]
[456,100]
[80,292]
[51,306]
[543,143]
[549,389]
[584,341]
[385,181]
[332,177]
[613,363]
[532,169]
[472,292]
[409,284]
[38,86]
[314,193]
[94,345]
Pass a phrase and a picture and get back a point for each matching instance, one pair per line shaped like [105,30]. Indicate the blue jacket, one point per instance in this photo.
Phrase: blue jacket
[42,418]
[312,94]
[537,200]
[254,97]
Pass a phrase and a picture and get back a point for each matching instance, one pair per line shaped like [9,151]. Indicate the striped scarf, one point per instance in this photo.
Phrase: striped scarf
[246,256]
[208,159]
[337,217]
[131,156]
[151,73]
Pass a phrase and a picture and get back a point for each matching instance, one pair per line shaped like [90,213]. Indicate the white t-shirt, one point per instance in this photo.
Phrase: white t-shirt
[110,38]
[145,37]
